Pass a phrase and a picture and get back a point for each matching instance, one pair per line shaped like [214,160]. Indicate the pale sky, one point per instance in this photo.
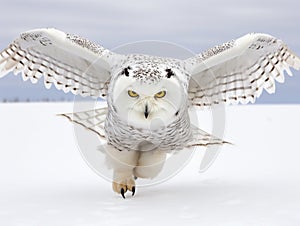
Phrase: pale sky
[195,25]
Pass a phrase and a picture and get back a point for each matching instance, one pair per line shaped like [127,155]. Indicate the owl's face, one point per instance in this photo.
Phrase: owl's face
[148,98]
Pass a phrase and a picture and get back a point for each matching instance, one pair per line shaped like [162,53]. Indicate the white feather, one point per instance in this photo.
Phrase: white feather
[256,61]
[55,53]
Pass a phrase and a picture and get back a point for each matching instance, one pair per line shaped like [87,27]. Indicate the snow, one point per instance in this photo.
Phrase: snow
[45,181]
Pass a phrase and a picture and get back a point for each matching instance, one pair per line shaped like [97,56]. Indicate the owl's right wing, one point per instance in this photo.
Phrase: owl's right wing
[92,120]
[71,63]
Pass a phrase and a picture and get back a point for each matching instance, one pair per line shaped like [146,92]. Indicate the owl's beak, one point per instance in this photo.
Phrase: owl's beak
[146,112]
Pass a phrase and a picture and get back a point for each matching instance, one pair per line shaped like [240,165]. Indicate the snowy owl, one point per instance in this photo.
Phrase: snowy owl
[148,97]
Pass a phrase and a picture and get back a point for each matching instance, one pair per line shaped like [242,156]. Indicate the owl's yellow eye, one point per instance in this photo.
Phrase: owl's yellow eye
[160,94]
[131,93]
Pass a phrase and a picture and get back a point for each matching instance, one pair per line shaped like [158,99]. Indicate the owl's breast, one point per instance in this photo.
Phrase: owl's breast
[166,138]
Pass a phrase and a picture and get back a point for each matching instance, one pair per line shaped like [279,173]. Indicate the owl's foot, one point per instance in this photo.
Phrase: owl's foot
[121,187]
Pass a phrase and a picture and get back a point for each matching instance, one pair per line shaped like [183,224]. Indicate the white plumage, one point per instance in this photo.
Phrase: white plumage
[148,97]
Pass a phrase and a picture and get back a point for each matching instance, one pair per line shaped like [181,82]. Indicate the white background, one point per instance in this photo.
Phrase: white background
[256,181]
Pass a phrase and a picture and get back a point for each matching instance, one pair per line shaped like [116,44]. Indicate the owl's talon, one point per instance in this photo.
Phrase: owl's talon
[122,186]
[123,193]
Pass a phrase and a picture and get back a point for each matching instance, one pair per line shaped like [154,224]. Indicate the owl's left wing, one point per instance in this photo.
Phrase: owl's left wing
[71,63]
[238,71]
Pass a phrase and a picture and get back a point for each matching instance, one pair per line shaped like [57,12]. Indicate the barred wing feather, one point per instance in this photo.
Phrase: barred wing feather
[92,120]
[71,63]
[238,71]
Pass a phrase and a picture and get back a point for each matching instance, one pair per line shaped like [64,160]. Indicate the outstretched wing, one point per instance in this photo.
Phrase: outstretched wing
[238,71]
[71,63]
[92,120]
[202,138]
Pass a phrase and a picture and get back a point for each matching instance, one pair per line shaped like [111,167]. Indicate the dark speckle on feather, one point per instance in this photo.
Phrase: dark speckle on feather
[150,69]
[170,73]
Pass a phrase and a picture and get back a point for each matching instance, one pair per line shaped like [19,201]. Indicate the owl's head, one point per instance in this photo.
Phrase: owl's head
[148,95]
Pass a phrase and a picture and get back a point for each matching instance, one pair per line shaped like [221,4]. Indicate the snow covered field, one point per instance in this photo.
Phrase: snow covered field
[45,181]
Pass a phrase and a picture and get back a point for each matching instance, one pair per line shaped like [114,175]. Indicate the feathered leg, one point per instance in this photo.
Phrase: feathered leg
[150,163]
[122,163]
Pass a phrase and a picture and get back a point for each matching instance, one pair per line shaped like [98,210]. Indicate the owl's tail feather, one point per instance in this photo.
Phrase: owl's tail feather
[202,138]
[92,120]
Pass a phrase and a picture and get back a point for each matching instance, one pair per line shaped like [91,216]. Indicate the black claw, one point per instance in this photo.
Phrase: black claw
[123,192]
[135,177]
[133,190]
